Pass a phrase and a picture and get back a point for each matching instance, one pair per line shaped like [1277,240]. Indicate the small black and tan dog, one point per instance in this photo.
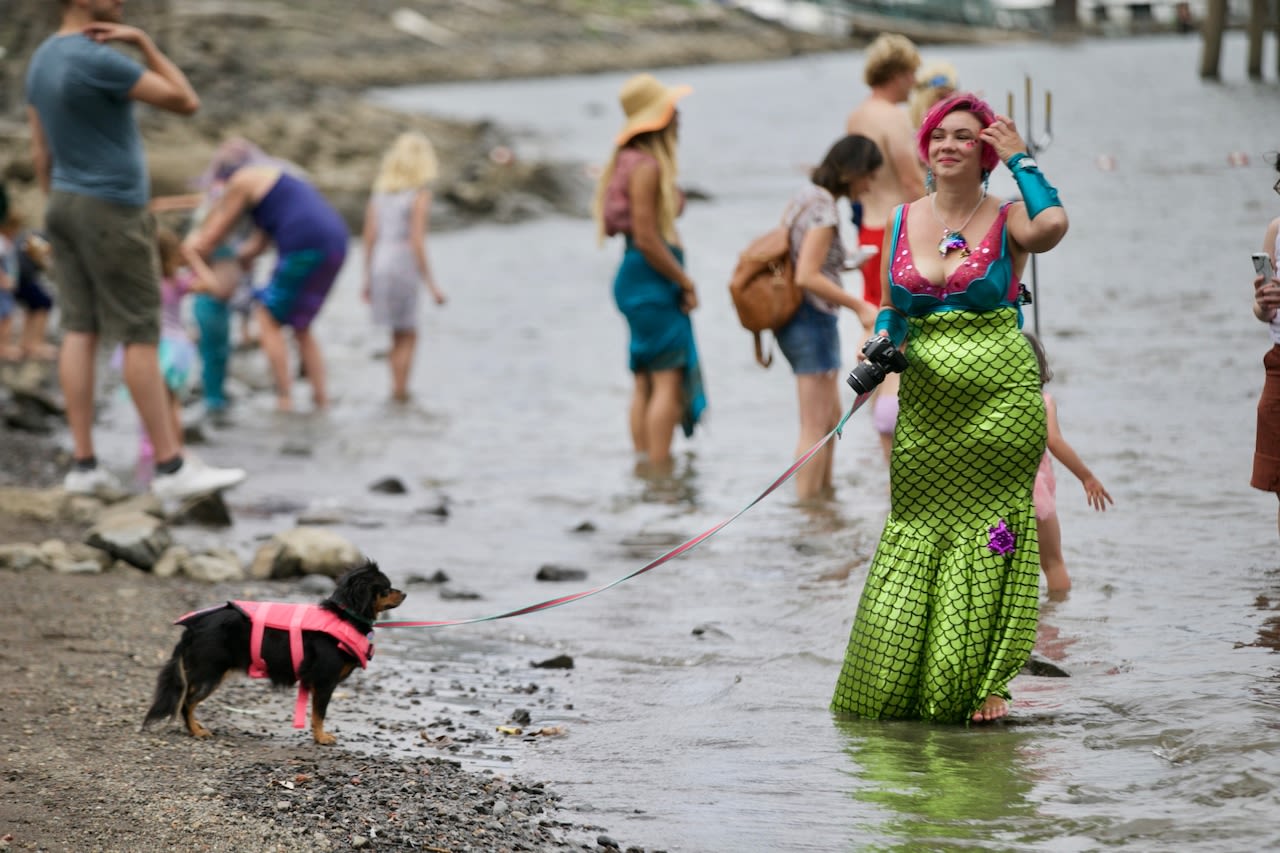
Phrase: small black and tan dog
[313,646]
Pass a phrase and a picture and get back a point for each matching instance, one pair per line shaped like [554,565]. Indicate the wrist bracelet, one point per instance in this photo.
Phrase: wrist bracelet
[1020,157]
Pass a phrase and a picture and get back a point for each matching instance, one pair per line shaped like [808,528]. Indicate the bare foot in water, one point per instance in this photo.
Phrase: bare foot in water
[993,709]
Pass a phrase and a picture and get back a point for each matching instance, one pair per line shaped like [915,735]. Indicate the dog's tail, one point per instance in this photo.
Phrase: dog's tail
[171,686]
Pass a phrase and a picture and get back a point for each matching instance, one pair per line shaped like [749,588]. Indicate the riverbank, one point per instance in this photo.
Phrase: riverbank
[84,639]
[291,75]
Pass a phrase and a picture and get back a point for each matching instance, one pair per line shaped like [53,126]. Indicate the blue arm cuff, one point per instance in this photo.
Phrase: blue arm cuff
[891,320]
[1037,193]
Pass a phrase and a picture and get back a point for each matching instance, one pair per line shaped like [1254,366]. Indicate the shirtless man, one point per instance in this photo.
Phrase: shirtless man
[890,72]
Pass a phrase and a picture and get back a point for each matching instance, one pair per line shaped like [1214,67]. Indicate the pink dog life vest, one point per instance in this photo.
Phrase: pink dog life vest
[296,618]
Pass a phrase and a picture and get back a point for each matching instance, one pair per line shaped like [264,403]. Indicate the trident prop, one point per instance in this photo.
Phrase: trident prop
[1035,145]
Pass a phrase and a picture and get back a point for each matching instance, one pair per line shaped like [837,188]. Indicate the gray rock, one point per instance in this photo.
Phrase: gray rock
[557,662]
[208,510]
[389,486]
[22,557]
[135,537]
[441,509]
[74,557]
[78,567]
[323,514]
[304,551]
[552,572]
[317,585]
[1044,669]
[296,448]
[37,504]
[22,414]
[146,503]
[170,563]
[218,566]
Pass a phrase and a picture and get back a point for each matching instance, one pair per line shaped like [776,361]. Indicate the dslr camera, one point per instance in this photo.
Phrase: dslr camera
[882,357]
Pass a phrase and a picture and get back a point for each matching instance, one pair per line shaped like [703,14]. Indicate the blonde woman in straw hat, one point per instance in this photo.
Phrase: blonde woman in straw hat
[395,249]
[637,197]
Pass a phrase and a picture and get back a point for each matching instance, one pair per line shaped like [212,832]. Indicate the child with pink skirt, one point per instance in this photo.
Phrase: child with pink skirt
[1051,560]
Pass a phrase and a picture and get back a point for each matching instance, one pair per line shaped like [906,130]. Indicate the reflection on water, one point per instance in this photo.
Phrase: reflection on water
[675,482]
[940,787]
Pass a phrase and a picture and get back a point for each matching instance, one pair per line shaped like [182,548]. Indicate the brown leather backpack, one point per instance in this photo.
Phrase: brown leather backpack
[763,286]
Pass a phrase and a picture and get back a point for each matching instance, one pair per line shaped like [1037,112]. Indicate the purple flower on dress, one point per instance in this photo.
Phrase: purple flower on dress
[1002,540]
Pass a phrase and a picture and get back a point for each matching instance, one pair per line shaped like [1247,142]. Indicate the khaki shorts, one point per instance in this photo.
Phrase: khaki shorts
[106,267]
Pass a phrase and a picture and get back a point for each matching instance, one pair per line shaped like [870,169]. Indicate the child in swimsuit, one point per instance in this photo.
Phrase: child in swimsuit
[1051,561]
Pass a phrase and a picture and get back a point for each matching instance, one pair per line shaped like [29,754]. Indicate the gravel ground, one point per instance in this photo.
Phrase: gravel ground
[78,663]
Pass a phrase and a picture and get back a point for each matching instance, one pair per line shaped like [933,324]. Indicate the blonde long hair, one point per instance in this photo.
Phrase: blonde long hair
[661,145]
[410,163]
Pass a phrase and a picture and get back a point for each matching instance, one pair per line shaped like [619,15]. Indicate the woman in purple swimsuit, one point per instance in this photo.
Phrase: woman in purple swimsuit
[310,239]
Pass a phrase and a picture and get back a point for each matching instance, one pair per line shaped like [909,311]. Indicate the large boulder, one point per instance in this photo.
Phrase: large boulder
[304,551]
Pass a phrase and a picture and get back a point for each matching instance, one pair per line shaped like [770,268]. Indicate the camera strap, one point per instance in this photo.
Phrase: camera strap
[682,548]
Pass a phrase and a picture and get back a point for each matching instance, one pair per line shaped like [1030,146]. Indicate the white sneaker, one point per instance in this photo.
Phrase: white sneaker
[89,482]
[195,479]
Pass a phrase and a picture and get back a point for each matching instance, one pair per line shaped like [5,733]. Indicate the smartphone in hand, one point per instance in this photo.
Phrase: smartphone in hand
[1262,266]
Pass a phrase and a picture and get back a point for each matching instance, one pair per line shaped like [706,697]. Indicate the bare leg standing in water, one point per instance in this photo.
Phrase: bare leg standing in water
[403,345]
[819,413]
[662,411]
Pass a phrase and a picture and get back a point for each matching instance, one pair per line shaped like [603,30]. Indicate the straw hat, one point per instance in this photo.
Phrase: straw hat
[649,105]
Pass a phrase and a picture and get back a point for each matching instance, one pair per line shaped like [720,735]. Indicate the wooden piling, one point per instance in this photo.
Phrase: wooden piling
[1215,21]
[1257,25]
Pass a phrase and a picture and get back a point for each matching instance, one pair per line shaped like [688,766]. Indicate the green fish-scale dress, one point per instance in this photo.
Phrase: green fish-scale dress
[944,620]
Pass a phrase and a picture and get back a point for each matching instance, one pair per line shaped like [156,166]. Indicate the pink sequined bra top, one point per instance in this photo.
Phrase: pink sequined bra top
[984,282]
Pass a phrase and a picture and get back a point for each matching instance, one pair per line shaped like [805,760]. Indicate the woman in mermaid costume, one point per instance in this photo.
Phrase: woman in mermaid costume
[948,613]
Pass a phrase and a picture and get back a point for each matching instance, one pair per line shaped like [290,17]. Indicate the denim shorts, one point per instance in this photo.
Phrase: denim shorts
[811,341]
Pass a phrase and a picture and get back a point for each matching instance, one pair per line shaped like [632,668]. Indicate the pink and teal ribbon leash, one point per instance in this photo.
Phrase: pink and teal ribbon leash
[682,548]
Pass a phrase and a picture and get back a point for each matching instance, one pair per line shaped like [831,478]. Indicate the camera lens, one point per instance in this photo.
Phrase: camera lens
[865,377]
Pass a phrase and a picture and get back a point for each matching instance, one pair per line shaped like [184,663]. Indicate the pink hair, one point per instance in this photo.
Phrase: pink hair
[966,102]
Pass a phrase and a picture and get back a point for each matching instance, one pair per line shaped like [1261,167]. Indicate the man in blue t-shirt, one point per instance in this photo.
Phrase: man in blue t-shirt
[89,158]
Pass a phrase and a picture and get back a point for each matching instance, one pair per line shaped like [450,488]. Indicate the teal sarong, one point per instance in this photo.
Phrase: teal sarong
[661,334]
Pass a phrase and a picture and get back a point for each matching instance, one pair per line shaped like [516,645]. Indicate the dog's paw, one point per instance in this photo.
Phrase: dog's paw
[200,732]
[324,738]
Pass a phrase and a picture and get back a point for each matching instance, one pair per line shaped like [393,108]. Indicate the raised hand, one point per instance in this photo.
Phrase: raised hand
[1002,135]
[103,31]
